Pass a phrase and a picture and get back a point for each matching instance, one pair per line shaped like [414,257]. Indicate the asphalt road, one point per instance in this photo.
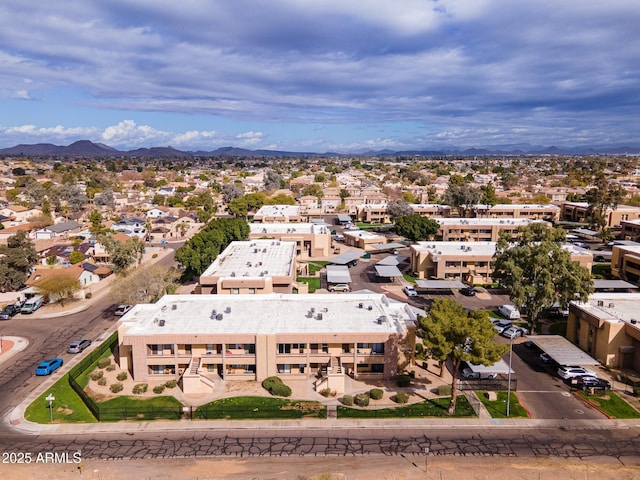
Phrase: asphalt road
[611,445]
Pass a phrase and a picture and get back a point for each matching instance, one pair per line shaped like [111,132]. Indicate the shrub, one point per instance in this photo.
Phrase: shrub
[636,391]
[155,255]
[280,390]
[88,295]
[122,376]
[347,400]
[269,382]
[170,384]
[102,382]
[376,393]
[95,376]
[412,374]
[110,368]
[361,399]
[116,387]
[104,362]
[444,390]
[158,389]
[325,392]
[403,380]
[401,397]
[140,388]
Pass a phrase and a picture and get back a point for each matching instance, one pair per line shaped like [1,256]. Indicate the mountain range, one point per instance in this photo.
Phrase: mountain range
[86,148]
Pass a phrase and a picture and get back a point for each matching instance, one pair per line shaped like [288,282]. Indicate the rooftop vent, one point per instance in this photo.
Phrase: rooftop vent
[161,323]
[611,305]
[633,321]
[360,305]
[227,310]
[319,316]
[174,307]
[370,307]
[219,316]
[380,320]
[600,303]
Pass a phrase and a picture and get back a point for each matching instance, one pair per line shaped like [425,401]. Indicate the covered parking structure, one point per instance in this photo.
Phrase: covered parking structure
[439,286]
[347,258]
[384,247]
[392,260]
[338,274]
[562,351]
[614,286]
[387,272]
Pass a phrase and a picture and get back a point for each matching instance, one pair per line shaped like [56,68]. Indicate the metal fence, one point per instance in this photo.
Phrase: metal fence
[488,384]
[114,413]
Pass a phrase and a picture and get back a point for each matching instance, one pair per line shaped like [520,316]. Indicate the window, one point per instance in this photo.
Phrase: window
[346,348]
[249,348]
[377,348]
[155,349]
[235,291]
[168,348]
[363,345]
[252,291]
[298,347]
[284,348]
[210,348]
[325,348]
[284,368]
[377,368]
[249,369]
[156,369]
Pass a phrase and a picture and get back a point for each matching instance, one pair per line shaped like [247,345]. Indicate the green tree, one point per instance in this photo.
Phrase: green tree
[122,255]
[313,189]
[416,227]
[202,249]
[95,217]
[489,196]
[76,257]
[281,199]
[538,271]
[462,196]
[240,207]
[58,288]
[449,333]
[16,259]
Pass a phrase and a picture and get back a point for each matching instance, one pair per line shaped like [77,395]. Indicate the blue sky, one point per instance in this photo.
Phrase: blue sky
[320,75]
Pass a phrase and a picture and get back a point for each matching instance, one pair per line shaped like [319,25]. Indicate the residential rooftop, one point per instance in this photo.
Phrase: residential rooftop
[270,314]
[487,221]
[614,306]
[457,248]
[254,258]
[280,228]
[278,211]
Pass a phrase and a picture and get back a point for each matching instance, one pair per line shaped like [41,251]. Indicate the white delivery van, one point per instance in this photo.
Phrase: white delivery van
[509,311]
[32,304]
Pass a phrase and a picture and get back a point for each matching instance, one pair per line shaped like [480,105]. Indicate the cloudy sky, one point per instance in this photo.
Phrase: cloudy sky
[320,75]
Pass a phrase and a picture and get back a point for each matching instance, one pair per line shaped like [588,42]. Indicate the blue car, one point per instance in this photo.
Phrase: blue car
[47,367]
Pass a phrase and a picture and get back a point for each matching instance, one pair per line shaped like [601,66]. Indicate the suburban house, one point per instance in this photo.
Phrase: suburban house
[133,227]
[18,214]
[250,267]
[158,212]
[203,339]
[58,230]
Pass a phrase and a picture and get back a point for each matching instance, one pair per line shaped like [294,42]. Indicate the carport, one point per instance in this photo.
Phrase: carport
[392,260]
[562,350]
[338,274]
[343,219]
[384,247]
[613,286]
[346,258]
[499,367]
[388,271]
[440,286]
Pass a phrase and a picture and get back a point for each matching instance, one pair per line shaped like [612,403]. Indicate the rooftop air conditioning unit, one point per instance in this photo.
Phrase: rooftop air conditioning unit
[360,305]
[600,303]
[611,305]
[319,316]
[219,316]
[633,321]
[174,307]
[370,307]
[161,323]
[227,310]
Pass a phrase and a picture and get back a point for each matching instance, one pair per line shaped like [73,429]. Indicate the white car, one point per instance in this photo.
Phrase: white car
[122,309]
[410,291]
[339,287]
[502,325]
[570,371]
[514,332]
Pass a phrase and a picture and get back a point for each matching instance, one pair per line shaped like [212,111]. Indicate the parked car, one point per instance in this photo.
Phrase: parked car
[545,358]
[469,374]
[410,291]
[122,309]
[468,292]
[570,371]
[509,311]
[78,346]
[47,367]
[514,332]
[9,311]
[339,287]
[32,304]
[502,325]
[586,382]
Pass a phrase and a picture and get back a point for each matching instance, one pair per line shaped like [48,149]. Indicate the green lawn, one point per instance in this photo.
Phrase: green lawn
[409,278]
[559,328]
[134,408]
[498,408]
[429,408]
[260,408]
[611,404]
[316,266]
[601,270]
[68,407]
[313,282]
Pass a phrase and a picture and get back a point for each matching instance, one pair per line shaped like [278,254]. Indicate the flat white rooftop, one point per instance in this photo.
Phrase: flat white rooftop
[364,234]
[254,258]
[269,314]
[456,248]
[518,206]
[283,228]
[278,211]
[612,306]
[486,221]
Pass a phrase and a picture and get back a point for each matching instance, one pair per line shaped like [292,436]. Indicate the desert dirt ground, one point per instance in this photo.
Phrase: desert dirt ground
[328,468]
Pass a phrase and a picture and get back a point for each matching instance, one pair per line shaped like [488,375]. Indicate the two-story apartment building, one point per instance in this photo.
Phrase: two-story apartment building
[625,261]
[549,212]
[278,214]
[203,339]
[468,262]
[250,267]
[580,212]
[479,229]
[312,240]
[608,328]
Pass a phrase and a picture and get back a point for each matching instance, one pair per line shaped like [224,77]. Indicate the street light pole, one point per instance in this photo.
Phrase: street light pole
[509,376]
